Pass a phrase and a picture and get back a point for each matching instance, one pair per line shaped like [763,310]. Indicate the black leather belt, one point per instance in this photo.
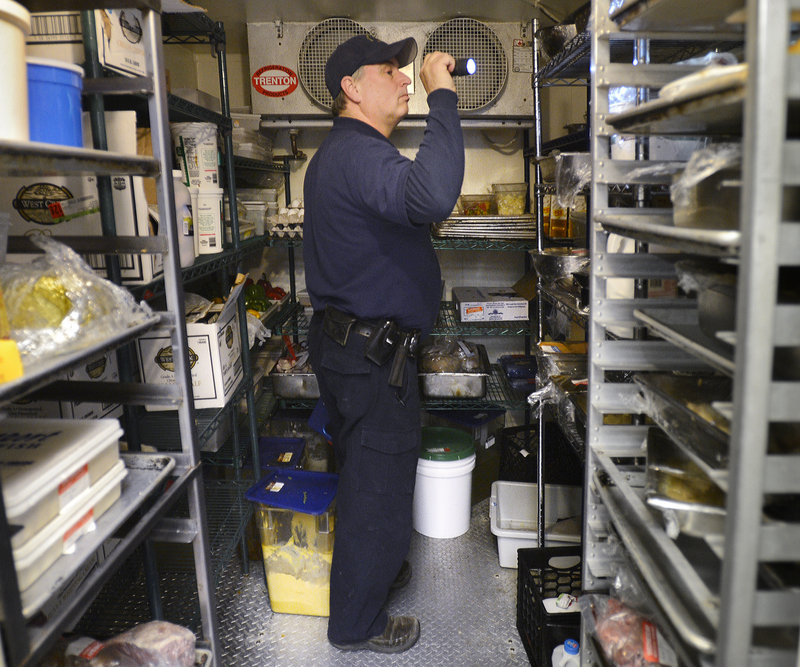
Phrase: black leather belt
[384,340]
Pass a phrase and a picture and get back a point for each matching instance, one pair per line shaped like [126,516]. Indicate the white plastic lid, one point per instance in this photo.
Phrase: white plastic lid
[177,173]
[52,62]
[38,454]
[572,647]
[16,13]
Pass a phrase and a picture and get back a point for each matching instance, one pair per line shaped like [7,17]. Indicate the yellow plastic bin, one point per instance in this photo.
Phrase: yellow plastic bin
[295,518]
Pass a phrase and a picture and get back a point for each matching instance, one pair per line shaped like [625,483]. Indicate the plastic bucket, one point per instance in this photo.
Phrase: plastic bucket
[15,24]
[54,102]
[207,220]
[196,153]
[441,505]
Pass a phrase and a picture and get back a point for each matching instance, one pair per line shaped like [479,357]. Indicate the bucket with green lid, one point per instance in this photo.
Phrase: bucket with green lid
[441,505]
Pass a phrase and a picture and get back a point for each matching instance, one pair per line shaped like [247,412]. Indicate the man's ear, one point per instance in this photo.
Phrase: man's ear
[350,88]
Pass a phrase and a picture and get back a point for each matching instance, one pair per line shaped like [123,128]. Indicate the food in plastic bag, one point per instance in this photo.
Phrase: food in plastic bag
[626,637]
[573,174]
[153,644]
[58,304]
[449,355]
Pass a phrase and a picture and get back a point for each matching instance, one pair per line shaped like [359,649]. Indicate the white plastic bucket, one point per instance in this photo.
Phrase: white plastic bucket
[15,24]
[207,220]
[196,153]
[442,496]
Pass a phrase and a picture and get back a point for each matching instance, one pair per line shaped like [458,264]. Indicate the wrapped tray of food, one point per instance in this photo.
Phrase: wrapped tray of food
[681,405]
[690,502]
[293,376]
[451,368]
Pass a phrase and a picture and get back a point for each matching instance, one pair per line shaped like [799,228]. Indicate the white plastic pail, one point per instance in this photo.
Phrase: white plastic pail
[196,153]
[15,24]
[442,496]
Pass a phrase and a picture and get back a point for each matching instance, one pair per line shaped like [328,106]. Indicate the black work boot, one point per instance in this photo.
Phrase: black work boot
[400,634]
[403,577]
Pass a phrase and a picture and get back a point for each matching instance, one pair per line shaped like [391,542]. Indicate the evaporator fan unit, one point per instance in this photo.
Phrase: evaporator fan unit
[320,42]
[468,38]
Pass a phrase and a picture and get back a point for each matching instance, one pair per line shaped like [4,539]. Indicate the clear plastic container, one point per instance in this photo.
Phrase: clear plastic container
[510,198]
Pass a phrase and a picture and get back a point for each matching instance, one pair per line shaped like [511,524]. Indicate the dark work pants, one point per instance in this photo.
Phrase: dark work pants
[376,436]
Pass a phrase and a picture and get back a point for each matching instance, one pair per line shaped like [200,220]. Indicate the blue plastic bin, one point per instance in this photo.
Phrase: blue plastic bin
[280,452]
[54,102]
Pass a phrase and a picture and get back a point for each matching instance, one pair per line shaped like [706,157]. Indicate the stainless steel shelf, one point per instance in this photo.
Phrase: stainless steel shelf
[448,324]
[676,15]
[144,473]
[565,303]
[656,226]
[123,601]
[680,327]
[693,609]
[47,371]
[19,158]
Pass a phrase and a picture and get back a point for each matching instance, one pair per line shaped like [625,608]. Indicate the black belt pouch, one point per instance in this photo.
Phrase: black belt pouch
[337,325]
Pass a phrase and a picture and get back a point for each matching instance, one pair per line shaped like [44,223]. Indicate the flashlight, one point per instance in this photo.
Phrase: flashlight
[464,67]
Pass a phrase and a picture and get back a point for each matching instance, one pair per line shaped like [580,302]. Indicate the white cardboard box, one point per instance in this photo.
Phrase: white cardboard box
[69,205]
[214,355]
[102,368]
[120,38]
[489,304]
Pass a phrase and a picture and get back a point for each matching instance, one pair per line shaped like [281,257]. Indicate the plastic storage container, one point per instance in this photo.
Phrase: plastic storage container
[510,198]
[280,452]
[54,102]
[441,505]
[296,524]
[513,517]
[58,537]
[542,576]
[15,24]
[46,463]
[207,219]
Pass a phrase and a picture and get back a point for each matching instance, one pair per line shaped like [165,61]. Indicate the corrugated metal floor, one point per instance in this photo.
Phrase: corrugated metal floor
[465,601]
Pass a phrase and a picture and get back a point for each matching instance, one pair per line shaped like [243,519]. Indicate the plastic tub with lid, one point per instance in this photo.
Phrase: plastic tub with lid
[59,536]
[47,463]
[15,24]
[54,102]
[441,506]
[295,518]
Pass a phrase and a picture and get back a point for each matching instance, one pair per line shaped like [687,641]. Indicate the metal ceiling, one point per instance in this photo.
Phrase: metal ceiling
[235,14]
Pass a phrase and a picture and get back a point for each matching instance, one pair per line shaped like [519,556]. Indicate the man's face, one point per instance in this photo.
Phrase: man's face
[384,95]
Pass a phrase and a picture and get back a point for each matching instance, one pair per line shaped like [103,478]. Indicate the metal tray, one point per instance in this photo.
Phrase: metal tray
[294,385]
[682,406]
[458,385]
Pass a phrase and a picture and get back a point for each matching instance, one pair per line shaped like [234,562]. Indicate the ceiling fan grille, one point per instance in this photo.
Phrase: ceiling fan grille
[320,42]
[468,38]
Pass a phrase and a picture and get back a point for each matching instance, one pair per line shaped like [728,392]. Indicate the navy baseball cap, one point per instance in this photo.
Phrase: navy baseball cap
[364,50]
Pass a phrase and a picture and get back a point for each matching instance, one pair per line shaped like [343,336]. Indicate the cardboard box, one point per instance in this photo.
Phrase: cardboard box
[102,368]
[120,38]
[489,304]
[214,355]
[69,205]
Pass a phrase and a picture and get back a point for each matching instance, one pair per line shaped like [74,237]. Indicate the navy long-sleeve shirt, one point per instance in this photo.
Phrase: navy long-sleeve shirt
[368,209]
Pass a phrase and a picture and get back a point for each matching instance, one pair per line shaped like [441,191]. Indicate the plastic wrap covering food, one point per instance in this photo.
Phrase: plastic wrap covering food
[449,355]
[706,193]
[573,173]
[626,637]
[153,644]
[549,364]
[58,304]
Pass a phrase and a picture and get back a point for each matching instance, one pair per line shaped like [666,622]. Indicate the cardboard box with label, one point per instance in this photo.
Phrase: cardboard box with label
[120,38]
[215,357]
[489,304]
[69,205]
[102,368]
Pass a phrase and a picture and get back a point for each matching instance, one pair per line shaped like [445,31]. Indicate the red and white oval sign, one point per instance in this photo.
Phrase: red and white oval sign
[274,80]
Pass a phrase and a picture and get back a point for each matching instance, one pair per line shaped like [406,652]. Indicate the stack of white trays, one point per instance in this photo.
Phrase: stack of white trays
[59,476]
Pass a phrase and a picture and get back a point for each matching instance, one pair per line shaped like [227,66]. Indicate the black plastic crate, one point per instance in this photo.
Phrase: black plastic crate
[541,576]
[519,447]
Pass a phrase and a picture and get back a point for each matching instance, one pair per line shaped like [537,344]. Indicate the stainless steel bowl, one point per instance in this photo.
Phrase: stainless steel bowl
[554,263]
